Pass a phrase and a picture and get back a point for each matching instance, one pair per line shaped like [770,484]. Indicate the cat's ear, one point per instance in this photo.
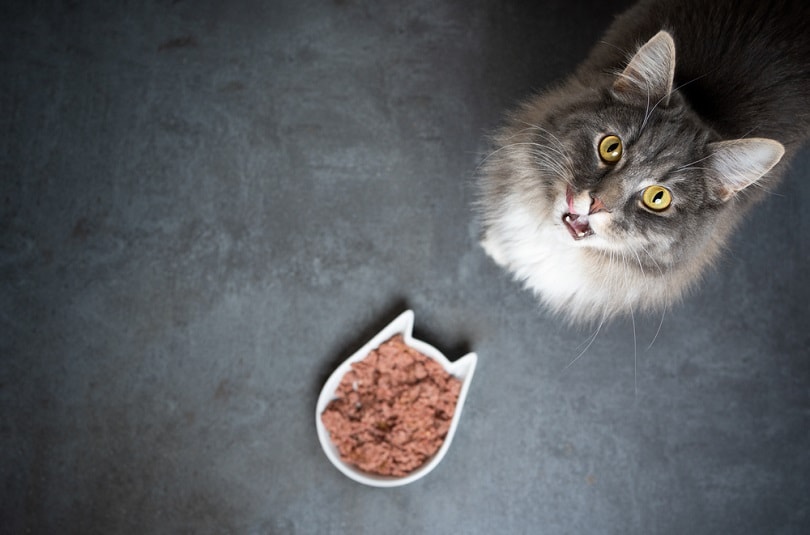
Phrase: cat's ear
[741,162]
[650,72]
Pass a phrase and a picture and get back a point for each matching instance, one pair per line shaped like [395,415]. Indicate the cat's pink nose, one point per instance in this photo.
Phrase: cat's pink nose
[596,205]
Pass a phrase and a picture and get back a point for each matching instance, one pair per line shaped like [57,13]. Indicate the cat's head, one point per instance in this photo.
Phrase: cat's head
[619,186]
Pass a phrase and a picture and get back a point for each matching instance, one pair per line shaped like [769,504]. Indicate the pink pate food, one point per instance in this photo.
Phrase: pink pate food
[392,410]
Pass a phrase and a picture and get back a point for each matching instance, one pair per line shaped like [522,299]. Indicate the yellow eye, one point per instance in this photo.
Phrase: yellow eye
[656,198]
[610,149]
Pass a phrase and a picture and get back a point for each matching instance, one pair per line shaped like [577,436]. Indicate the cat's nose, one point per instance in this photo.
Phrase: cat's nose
[596,205]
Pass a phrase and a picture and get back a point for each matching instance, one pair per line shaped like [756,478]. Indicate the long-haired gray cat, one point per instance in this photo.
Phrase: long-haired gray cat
[612,192]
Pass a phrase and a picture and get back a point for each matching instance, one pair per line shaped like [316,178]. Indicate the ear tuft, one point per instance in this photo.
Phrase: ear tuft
[651,70]
[741,162]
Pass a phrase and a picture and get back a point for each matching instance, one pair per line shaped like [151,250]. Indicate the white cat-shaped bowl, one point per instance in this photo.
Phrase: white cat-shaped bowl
[462,369]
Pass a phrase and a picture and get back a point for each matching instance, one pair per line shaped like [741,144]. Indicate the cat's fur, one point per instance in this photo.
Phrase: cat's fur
[711,106]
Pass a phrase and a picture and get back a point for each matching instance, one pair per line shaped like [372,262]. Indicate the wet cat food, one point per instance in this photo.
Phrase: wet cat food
[392,410]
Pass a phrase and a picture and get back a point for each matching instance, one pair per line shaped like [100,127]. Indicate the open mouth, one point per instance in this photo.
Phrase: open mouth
[577,224]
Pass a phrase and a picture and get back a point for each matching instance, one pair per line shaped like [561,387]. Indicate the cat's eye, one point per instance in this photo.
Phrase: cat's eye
[656,198]
[610,149]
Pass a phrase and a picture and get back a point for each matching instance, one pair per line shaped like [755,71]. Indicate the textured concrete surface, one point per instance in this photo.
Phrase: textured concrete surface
[206,206]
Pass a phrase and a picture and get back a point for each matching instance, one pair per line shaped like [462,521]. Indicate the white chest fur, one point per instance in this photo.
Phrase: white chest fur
[564,273]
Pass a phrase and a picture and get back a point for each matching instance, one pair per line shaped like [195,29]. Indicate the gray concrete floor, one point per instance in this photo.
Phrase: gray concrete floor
[206,206]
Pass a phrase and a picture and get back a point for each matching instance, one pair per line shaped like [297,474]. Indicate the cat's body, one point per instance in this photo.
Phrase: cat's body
[612,192]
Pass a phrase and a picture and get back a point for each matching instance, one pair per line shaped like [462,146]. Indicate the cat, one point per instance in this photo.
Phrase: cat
[612,192]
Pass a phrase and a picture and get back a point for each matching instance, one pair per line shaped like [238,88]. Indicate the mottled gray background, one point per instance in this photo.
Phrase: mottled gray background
[207,205]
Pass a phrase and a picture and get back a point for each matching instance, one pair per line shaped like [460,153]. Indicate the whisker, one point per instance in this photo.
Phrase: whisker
[647,116]
[758,184]
[561,149]
[658,331]
[666,305]
[592,339]
[651,111]
[490,155]
[635,353]
[687,166]
[635,345]
[499,149]
[542,149]
[692,80]
[623,51]
[647,111]
[640,266]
